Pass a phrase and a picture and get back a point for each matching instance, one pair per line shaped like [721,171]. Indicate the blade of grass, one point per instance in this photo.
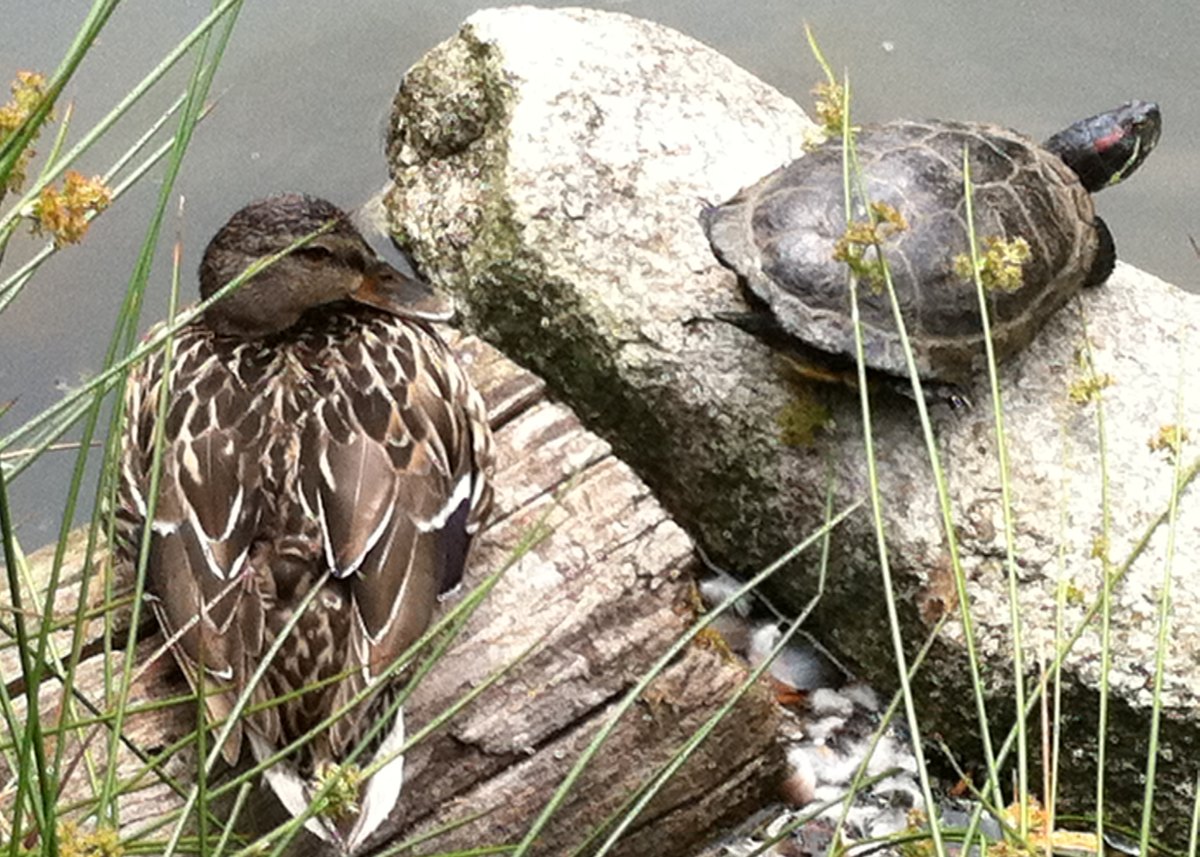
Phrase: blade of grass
[852,181]
[84,407]
[202,811]
[155,343]
[445,632]
[60,137]
[1106,572]
[107,793]
[860,780]
[50,422]
[41,784]
[850,173]
[636,691]
[482,851]
[767,846]
[231,824]
[1164,617]
[1010,559]
[197,90]
[12,285]
[443,717]
[238,707]
[241,705]
[637,802]
[1060,608]
[1187,476]
[11,151]
[52,587]
[409,845]
[178,52]
[1194,832]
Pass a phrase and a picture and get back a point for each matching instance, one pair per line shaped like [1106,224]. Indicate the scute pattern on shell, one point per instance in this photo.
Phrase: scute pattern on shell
[780,234]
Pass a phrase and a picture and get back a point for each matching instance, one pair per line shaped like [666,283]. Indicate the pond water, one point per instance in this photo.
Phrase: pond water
[304,92]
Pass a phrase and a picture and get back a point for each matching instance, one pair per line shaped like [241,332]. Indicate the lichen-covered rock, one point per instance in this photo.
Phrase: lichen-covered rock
[550,167]
[579,146]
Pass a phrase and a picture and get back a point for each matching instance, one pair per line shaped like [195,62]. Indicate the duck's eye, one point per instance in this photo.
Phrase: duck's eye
[313,253]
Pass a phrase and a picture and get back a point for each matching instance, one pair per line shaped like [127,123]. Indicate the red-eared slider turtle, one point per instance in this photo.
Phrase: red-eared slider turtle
[780,234]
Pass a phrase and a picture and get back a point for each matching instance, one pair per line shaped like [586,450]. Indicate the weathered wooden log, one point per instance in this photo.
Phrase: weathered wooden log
[599,600]
[565,199]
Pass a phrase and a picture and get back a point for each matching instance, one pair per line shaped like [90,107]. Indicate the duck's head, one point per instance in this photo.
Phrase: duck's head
[336,265]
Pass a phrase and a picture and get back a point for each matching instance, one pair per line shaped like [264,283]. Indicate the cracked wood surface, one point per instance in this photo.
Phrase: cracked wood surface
[599,599]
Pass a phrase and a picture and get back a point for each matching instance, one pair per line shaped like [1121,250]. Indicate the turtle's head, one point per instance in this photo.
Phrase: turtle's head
[1109,147]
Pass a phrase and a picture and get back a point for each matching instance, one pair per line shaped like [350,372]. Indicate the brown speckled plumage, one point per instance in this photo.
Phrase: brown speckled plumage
[306,435]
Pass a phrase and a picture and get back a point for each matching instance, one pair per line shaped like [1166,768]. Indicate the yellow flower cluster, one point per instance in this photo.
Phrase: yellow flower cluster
[1088,388]
[101,842]
[1000,266]
[829,100]
[861,235]
[1169,438]
[65,214]
[27,91]
[341,801]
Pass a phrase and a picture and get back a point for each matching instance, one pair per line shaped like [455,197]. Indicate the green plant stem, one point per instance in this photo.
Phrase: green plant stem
[197,90]
[1186,477]
[638,801]
[11,151]
[31,745]
[178,52]
[12,284]
[1164,621]
[557,799]
[848,165]
[1010,560]
[446,631]
[1194,831]
[1106,572]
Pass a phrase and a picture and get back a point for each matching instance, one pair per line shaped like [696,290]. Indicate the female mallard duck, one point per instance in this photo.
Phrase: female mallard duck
[318,432]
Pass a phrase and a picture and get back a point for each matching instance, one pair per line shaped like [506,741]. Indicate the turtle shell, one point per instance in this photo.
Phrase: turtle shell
[779,235]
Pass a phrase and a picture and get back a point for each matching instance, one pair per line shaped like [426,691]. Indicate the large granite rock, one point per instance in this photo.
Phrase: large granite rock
[550,167]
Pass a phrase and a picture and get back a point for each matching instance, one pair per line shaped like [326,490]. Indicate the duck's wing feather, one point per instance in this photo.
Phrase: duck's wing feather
[373,462]
[394,462]
[205,520]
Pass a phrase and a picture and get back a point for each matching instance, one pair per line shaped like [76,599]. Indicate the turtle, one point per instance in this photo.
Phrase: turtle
[780,235]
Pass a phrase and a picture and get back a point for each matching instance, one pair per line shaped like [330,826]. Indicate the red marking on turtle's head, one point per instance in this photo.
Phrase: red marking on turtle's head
[1103,144]
[1109,147]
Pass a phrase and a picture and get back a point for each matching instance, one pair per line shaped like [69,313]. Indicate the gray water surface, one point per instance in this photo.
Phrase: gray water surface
[305,89]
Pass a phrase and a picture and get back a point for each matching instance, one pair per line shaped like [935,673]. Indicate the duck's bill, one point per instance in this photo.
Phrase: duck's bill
[385,288]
